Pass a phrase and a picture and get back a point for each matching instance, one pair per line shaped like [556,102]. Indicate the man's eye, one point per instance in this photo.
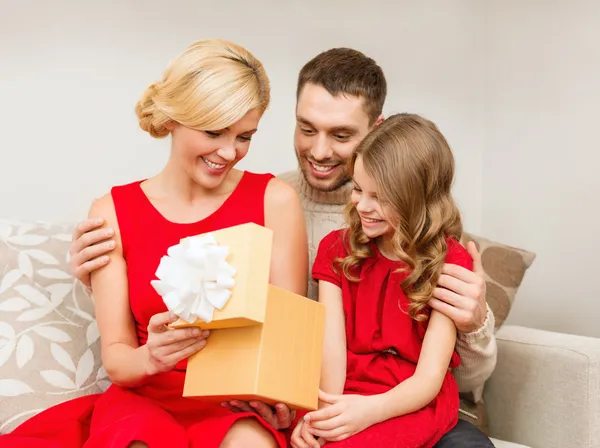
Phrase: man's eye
[342,137]
[306,131]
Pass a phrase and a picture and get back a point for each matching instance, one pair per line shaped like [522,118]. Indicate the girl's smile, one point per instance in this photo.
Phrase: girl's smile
[368,204]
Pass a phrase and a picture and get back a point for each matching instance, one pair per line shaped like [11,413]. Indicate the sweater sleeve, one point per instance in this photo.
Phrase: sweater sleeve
[478,353]
[477,350]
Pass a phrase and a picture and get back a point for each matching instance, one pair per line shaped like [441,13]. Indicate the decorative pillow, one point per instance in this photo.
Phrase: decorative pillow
[49,344]
[504,268]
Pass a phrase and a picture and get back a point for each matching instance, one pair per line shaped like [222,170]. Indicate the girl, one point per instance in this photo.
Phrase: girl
[385,379]
[210,100]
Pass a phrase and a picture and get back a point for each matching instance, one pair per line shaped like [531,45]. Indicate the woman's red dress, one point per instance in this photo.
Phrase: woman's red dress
[154,413]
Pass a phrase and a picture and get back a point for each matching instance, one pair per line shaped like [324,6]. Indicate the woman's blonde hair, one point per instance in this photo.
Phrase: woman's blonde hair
[209,86]
[413,167]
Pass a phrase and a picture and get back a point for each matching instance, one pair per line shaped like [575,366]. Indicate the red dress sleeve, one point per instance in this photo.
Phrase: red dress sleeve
[325,268]
[457,254]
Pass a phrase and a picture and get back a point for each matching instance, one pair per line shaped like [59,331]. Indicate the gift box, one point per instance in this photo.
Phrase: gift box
[245,253]
[265,343]
[276,361]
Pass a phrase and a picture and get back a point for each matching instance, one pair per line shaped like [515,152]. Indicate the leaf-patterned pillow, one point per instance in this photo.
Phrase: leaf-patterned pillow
[49,342]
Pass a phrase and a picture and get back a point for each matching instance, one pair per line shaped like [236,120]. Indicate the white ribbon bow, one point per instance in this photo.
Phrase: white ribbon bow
[195,278]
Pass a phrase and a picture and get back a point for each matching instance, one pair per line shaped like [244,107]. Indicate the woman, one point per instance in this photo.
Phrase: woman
[210,101]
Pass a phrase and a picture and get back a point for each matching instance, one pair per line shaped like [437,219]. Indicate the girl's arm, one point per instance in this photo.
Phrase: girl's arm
[333,370]
[333,366]
[420,389]
[289,256]
[124,360]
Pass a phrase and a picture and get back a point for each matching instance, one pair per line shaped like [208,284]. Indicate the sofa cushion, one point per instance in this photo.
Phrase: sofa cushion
[504,268]
[503,444]
[49,347]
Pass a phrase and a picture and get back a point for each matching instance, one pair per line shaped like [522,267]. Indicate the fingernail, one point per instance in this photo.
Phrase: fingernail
[253,404]
[205,333]
[104,259]
[109,232]
[98,221]
[110,244]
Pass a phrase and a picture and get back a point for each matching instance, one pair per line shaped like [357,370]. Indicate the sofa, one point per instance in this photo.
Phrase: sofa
[544,392]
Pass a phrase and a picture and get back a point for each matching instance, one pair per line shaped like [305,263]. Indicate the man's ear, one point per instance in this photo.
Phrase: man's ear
[379,120]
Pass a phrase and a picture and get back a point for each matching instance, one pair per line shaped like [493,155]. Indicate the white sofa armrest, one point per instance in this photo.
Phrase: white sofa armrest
[545,390]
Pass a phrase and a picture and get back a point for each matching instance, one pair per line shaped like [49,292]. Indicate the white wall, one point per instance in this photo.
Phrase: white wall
[71,73]
[541,182]
[518,80]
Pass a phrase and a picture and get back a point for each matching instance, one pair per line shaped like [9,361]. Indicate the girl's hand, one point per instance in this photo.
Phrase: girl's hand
[168,346]
[344,416]
[302,438]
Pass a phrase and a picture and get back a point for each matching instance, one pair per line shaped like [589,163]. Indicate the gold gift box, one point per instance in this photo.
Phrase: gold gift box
[266,343]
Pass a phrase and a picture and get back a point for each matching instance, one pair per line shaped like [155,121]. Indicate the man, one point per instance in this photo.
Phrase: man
[340,97]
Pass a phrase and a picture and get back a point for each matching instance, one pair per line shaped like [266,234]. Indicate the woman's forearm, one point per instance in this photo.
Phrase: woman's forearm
[127,366]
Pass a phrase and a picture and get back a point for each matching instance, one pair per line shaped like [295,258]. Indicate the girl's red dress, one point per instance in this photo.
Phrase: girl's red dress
[384,342]
[155,413]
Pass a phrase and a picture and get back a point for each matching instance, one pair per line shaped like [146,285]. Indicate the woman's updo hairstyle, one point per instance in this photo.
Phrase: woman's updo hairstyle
[210,86]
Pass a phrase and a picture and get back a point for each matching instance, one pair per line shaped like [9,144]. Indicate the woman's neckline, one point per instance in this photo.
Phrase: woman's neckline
[162,217]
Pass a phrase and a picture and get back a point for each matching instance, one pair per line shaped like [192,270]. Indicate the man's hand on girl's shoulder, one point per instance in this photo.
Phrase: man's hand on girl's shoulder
[460,294]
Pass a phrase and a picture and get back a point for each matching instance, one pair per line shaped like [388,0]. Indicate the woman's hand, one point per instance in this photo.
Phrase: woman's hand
[279,417]
[344,416]
[168,346]
[302,438]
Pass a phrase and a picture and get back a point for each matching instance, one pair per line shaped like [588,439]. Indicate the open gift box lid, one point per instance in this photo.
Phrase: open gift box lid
[249,253]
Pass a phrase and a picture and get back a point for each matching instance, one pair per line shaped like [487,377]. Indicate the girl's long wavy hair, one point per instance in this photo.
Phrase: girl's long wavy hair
[413,167]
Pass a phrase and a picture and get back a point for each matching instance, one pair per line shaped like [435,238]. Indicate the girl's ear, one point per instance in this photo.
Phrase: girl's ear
[170,125]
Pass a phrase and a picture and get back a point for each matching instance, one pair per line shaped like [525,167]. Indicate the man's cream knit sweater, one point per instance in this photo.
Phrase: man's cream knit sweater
[323,212]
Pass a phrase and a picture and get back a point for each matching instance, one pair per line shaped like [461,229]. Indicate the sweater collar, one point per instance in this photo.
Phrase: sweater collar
[336,197]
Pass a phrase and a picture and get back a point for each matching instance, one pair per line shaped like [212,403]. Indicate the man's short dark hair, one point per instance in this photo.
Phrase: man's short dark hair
[344,71]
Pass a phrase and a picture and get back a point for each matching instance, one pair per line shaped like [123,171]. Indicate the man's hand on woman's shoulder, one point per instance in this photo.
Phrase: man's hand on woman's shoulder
[90,246]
